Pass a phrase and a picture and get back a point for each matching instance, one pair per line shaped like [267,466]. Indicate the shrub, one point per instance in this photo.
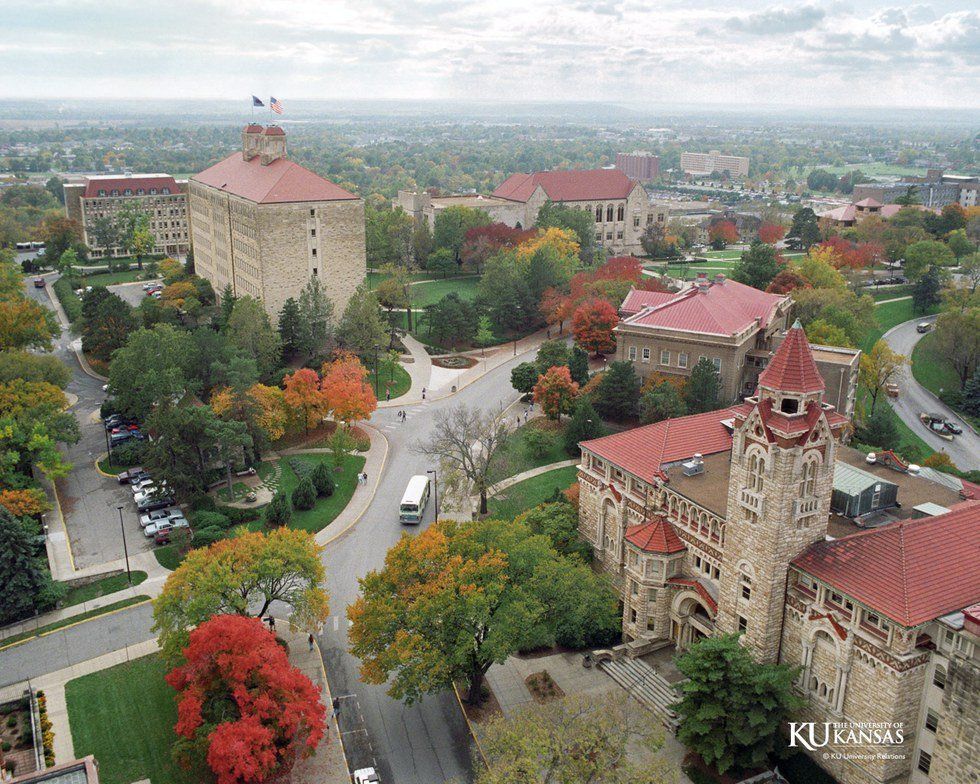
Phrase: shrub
[240,516]
[68,298]
[539,443]
[202,502]
[322,480]
[212,520]
[6,746]
[304,496]
[12,721]
[279,511]
[204,536]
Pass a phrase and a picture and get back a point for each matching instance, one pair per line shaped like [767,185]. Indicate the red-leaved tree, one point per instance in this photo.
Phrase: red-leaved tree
[348,394]
[771,233]
[555,392]
[786,281]
[304,397]
[241,704]
[724,231]
[593,324]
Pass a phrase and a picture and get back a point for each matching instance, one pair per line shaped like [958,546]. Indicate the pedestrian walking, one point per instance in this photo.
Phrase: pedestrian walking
[365,477]
[272,623]
[423,393]
[310,641]
[387,395]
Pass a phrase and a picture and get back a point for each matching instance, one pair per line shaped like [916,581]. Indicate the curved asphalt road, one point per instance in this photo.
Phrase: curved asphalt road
[914,399]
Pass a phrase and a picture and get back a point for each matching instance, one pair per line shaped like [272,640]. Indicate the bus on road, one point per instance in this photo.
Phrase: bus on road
[412,508]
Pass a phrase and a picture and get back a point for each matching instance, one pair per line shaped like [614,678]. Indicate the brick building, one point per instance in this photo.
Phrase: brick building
[265,225]
[638,165]
[720,523]
[162,198]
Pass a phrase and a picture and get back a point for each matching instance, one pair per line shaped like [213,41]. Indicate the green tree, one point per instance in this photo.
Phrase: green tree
[703,388]
[971,394]
[451,225]
[583,425]
[552,353]
[441,262]
[661,402]
[228,300]
[68,262]
[805,227]
[135,231]
[249,331]
[304,495]
[361,328]
[758,266]
[315,317]
[578,365]
[33,367]
[506,296]
[25,583]
[524,376]
[926,293]
[290,328]
[960,244]
[229,442]
[484,333]
[151,368]
[279,511]
[910,197]
[105,233]
[451,321]
[422,243]
[177,453]
[547,269]
[958,340]
[579,221]
[878,430]
[322,480]
[106,323]
[921,256]
[617,396]
[732,708]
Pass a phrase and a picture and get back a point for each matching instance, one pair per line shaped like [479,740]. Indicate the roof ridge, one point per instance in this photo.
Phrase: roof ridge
[903,572]
[285,170]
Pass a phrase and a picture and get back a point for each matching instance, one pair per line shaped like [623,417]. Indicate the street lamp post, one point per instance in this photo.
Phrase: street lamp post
[435,485]
[129,574]
[376,388]
[108,449]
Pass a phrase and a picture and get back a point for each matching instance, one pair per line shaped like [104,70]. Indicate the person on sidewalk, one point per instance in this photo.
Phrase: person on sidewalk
[310,641]
[423,393]
[387,395]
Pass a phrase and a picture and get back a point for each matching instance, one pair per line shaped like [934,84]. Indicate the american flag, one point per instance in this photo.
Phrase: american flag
[275,105]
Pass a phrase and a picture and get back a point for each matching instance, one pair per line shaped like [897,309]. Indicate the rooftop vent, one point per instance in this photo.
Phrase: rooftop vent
[871,459]
[914,469]
[694,466]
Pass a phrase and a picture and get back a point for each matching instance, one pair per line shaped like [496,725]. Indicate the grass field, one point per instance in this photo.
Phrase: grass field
[934,372]
[527,494]
[428,293]
[52,627]
[892,292]
[326,509]
[103,587]
[374,278]
[112,278]
[514,458]
[125,716]
[391,374]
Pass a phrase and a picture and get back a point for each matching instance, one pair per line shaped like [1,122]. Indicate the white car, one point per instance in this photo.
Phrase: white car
[142,486]
[366,776]
[165,525]
[159,515]
[151,491]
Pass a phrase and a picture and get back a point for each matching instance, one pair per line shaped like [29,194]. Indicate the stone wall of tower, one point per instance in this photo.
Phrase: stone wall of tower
[956,759]
[763,544]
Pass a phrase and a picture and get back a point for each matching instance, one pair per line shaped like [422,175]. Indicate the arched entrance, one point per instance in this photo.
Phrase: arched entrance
[690,620]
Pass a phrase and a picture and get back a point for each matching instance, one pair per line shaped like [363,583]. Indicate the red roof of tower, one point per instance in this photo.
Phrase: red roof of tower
[793,369]
[570,185]
[273,130]
[253,128]
[278,182]
[911,571]
[655,536]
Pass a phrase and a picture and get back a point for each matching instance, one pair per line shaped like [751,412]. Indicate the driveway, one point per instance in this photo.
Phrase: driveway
[964,450]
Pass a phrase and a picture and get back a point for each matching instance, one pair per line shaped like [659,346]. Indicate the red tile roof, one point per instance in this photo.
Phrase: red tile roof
[868,203]
[636,300]
[792,368]
[145,181]
[273,130]
[699,587]
[911,571]
[279,182]
[253,128]
[571,185]
[643,450]
[655,536]
[726,308]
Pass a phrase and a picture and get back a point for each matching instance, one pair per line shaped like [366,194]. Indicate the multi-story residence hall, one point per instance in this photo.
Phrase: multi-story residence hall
[162,198]
[720,523]
[265,225]
[736,326]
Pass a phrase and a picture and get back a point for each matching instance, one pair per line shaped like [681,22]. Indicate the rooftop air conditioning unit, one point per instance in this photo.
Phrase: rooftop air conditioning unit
[694,466]
[871,459]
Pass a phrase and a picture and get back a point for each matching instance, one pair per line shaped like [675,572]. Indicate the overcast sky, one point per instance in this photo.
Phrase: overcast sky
[640,51]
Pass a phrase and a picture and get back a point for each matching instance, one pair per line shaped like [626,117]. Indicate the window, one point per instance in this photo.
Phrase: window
[128,192]
[314,253]
[651,625]
[717,363]
[314,272]
[619,234]
[115,192]
[808,486]
[153,191]
[701,357]
[634,588]
[636,221]
[743,624]
[620,212]
[631,353]
[165,191]
[682,360]
[598,236]
[312,232]
[632,616]
[312,213]
[102,192]
[646,354]
[598,214]
[939,677]
[932,720]
[925,760]
[746,586]
[608,235]
[609,214]
[757,467]
[664,357]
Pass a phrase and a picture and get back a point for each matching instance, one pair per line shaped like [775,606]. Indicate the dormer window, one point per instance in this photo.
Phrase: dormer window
[153,191]
[101,191]
[165,191]
[115,191]
[789,405]
[128,192]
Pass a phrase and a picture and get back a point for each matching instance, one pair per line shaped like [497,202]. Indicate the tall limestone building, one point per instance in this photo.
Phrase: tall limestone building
[265,225]
[722,522]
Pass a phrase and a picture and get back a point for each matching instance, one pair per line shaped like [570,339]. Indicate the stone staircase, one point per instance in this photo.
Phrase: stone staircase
[645,684]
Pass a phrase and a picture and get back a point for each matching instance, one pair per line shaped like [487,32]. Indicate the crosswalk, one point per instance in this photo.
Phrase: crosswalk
[409,414]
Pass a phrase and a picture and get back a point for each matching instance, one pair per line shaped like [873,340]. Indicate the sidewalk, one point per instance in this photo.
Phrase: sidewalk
[420,371]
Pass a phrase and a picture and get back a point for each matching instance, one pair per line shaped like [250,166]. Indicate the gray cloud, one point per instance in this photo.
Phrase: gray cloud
[778,20]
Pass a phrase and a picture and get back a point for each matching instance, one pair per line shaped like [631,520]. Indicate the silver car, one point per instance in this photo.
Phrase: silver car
[165,525]
[159,515]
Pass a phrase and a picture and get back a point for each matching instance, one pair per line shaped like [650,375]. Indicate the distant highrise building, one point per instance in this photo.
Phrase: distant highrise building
[638,165]
[265,225]
[705,163]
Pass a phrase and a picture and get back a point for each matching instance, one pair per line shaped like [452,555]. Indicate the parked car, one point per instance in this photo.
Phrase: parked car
[952,427]
[153,502]
[366,776]
[159,515]
[118,420]
[133,474]
[165,525]
[892,390]
[120,438]
[122,428]
[152,284]
[39,283]
[143,485]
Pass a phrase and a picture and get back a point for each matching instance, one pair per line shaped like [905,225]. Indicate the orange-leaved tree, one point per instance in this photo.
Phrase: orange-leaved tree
[349,396]
[30,501]
[771,233]
[241,706]
[593,324]
[555,392]
[304,396]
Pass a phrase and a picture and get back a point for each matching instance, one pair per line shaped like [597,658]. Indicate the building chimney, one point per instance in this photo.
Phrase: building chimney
[272,145]
[251,136]
[701,282]
[720,278]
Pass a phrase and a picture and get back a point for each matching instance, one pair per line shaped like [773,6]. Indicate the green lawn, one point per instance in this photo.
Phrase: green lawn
[429,293]
[111,278]
[326,509]
[531,492]
[391,374]
[893,292]
[103,587]
[51,627]
[374,278]
[125,717]
[167,556]
[933,371]
[731,255]
[515,459]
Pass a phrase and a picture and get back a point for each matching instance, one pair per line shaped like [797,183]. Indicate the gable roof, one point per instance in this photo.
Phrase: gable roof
[638,299]
[643,451]
[792,368]
[655,536]
[570,185]
[911,571]
[868,203]
[716,308]
[133,182]
[279,182]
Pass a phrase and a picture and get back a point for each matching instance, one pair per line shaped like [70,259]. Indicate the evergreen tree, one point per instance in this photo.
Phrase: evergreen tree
[322,480]
[304,495]
[661,402]
[227,306]
[805,227]
[524,376]
[289,328]
[758,266]
[703,388]
[315,317]
[552,353]
[617,396]
[971,394]
[878,430]
[578,366]
[361,328]
[732,707]
[583,425]
[279,511]
[25,585]
[926,292]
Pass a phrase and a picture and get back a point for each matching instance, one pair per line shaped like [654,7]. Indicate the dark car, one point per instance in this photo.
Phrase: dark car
[117,421]
[155,502]
[120,438]
[952,427]
[39,283]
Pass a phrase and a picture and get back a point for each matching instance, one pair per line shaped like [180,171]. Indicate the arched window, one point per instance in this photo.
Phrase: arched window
[608,533]
[620,213]
[757,467]
[939,677]
[598,214]
[609,213]
[808,479]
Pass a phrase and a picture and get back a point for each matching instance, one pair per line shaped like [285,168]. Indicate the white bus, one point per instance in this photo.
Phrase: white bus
[412,508]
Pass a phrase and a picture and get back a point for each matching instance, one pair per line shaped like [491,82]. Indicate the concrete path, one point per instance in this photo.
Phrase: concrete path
[914,399]
[503,484]
[419,369]
[893,299]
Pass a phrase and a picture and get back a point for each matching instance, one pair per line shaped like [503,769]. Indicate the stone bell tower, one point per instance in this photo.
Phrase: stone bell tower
[782,469]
